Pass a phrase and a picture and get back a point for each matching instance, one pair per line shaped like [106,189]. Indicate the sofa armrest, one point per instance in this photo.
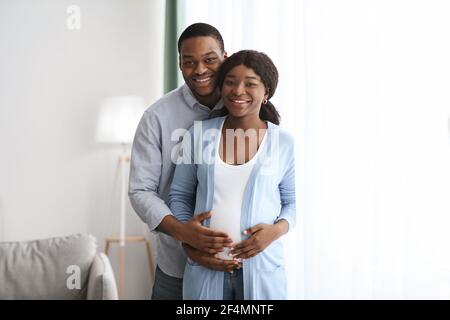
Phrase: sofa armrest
[101,283]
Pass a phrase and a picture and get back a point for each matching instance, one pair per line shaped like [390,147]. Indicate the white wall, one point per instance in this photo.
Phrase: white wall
[54,178]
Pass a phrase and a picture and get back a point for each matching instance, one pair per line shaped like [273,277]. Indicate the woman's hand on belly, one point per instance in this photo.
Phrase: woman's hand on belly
[210,261]
[261,236]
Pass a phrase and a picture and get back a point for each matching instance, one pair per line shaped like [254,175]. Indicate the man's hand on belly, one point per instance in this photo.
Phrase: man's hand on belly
[210,261]
[203,238]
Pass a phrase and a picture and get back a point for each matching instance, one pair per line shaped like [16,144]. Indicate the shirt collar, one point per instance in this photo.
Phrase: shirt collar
[189,96]
[192,101]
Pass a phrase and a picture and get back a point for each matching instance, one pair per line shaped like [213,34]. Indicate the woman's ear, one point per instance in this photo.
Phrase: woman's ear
[266,95]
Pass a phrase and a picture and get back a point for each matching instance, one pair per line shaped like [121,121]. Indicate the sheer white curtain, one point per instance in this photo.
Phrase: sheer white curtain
[364,87]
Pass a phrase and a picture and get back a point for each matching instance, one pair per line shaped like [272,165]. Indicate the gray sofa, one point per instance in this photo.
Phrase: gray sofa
[57,268]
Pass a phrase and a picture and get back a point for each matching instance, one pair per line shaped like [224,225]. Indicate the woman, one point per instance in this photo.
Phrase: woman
[240,167]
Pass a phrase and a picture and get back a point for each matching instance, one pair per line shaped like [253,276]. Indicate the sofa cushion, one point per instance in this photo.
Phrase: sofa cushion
[56,268]
[101,284]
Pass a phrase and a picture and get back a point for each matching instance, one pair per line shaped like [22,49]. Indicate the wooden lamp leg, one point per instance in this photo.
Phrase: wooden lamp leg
[150,260]
[106,247]
[121,272]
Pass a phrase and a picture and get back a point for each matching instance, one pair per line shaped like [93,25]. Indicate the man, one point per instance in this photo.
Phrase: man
[201,52]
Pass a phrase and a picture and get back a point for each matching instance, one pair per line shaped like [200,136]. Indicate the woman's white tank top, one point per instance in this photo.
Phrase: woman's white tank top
[230,182]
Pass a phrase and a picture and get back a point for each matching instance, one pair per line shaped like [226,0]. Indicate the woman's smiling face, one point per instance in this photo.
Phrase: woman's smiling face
[243,92]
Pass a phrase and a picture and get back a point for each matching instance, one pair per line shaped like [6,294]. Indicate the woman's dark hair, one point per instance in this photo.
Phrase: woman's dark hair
[263,66]
[201,30]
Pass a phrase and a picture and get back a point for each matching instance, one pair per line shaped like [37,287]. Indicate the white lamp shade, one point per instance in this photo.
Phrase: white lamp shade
[118,119]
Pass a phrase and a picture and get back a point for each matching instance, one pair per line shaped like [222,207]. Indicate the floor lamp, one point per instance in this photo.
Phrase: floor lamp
[117,122]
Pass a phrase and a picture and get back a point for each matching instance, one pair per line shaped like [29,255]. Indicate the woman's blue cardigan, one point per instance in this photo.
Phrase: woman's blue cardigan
[269,196]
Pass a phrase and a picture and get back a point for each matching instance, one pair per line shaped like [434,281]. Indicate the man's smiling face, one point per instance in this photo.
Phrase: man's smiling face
[200,59]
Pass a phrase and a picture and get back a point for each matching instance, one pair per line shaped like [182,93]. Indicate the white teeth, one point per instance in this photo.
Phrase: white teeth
[202,80]
[239,101]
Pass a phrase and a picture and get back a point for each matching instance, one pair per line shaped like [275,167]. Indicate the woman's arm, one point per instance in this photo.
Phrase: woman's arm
[287,193]
[182,204]
[182,192]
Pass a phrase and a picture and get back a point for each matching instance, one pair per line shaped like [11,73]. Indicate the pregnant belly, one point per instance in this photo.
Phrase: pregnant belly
[227,219]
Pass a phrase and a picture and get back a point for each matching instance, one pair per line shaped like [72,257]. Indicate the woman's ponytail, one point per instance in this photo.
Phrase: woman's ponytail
[268,112]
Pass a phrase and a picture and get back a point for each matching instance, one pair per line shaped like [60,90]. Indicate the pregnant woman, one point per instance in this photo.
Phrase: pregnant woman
[240,167]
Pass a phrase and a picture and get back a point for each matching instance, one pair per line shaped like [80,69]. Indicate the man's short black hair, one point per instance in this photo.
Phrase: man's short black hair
[201,30]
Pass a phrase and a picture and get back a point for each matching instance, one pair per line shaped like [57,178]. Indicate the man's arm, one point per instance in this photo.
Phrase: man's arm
[145,174]
[195,234]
